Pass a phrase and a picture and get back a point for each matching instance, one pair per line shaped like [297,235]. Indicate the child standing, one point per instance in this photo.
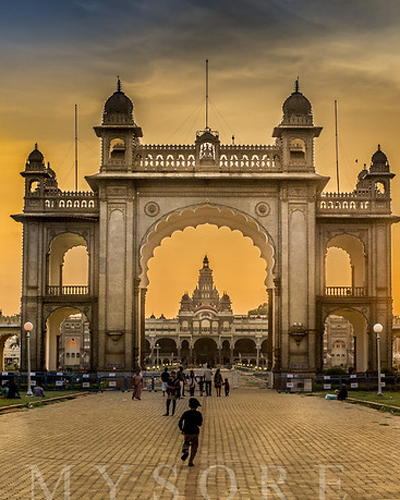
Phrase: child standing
[189,424]
[226,386]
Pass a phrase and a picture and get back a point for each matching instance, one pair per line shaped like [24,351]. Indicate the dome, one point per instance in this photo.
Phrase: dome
[225,298]
[379,161]
[36,156]
[118,107]
[379,156]
[297,108]
[35,160]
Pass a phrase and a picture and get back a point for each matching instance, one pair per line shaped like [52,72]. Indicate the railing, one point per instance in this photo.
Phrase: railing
[230,158]
[346,291]
[67,290]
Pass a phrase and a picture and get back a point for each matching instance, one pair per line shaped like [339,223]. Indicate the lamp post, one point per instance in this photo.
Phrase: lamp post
[378,328]
[28,327]
[158,354]
[258,356]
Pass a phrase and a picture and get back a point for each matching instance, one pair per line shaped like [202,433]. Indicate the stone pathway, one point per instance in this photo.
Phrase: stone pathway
[254,445]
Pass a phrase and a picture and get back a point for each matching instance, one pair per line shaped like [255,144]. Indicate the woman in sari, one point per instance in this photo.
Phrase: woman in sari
[137,385]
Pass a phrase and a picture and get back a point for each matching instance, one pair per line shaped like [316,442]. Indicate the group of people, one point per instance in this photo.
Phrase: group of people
[10,390]
[192,381]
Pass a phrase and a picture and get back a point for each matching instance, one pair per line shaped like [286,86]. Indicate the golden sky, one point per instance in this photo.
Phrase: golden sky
[58,54]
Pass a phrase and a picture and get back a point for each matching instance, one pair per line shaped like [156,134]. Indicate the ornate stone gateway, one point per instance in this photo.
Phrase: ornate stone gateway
[143,193]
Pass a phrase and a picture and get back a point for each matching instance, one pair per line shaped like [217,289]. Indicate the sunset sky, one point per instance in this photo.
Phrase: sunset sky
[57,54]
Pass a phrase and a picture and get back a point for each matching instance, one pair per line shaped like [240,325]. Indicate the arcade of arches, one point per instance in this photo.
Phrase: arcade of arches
[272,194]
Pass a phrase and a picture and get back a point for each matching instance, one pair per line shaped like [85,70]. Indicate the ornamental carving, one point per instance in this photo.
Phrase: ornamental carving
[152,209]
[262,209]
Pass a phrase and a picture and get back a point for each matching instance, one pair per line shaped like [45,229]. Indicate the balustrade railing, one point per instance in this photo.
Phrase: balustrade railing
[346,291]
[67,290]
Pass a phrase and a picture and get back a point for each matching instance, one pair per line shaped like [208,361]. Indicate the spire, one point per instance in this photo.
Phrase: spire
[205,261]
[296,85]
[118,84]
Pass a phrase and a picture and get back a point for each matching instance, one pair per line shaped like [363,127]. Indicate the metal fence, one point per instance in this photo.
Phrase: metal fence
[59,381]
[286,382]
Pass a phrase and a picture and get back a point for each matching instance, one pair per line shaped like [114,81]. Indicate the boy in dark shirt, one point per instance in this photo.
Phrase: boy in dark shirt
[189,424]
[226,385]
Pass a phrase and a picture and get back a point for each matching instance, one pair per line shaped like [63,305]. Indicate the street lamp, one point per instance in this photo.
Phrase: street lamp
[378,328]
[158,354]
[28,327]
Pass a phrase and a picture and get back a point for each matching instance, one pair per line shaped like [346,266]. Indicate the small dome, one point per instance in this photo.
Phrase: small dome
[379,161]
[225,298]
[36,156]
[118,107]
[379,156]
[297,108]
[35,160]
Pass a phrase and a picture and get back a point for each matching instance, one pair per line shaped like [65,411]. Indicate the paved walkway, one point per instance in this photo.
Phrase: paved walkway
[255,445]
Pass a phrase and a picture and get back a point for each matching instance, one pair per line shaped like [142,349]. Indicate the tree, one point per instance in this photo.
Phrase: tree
[262,309]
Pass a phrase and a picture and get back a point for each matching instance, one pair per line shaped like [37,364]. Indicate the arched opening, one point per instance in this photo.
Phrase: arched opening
[9,352]
[345,266]
[346,341]
[117,149]
[380,187]
[34,187]
[68,265]
[68,340]
[396,352]
[338,343]
[168,349]
[244,350]
[297,150]
[205,352]
[240,254]
[185,353]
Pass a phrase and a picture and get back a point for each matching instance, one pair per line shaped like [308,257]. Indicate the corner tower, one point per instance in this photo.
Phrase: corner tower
[296,133]
[118,132]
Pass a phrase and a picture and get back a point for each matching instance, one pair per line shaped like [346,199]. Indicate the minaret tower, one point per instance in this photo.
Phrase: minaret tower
[205,292]
[296,133]
[118,132]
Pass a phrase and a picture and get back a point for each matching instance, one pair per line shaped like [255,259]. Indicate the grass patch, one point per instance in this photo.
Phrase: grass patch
[25,400]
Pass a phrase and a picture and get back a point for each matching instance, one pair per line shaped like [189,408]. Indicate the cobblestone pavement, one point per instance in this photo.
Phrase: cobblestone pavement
[255,444]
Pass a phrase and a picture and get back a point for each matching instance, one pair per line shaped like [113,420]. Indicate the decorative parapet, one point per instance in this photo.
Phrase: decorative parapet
[55,201]
[353,203]
[183,158]
[14,321]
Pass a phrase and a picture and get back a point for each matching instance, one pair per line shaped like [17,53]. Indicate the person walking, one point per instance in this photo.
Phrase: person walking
[207,375]
[226,387]
[164,381]
[218,382]
[192,382]
[182,382]
[189,424]
[137,385]
[172,393]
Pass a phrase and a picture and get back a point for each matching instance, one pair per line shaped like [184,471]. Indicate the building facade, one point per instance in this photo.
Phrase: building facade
[143,193]
[206,331]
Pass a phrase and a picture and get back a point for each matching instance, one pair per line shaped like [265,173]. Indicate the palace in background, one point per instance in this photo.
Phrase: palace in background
[206,331]
[272,194]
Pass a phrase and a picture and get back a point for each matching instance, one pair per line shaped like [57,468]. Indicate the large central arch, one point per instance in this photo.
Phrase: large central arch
[219,215]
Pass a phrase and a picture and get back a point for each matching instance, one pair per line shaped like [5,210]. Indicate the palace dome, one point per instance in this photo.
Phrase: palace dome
[35,160]
[118,107]
[36,156]
[297,108]
[379,161]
